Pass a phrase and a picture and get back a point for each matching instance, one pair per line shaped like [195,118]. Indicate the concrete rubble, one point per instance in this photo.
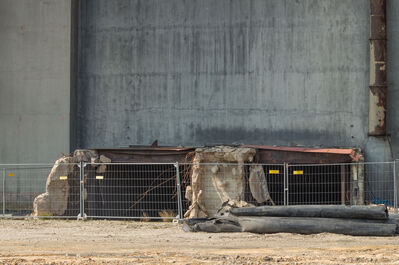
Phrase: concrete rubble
[213,184]
[218,179]
[258,184]
[54,201]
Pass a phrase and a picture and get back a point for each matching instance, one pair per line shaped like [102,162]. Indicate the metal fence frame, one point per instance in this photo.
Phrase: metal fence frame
[179,201]
[11,171]
[361,173]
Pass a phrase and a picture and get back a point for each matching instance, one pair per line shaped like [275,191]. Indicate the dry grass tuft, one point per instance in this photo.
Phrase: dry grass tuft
[167,215]
[146,217]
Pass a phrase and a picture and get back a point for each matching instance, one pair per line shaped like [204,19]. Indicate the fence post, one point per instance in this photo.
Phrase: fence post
[4,192]
[395,189]
[178,189]
[285,184]
[288,185]
[82,215]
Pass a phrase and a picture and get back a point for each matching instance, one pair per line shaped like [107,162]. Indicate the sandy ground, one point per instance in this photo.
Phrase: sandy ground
[122,242]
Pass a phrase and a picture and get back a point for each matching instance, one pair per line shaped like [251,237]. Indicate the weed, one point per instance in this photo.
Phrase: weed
[167,215]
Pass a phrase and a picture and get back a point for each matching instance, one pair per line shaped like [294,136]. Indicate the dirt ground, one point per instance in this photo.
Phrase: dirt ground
[122,242]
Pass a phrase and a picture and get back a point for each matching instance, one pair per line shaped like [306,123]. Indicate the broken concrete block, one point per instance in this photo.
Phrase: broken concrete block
[41,205]
[189,193]
[83,155]
[102,168]
[212,185]
[224,154]
[54,201]
[94,161]
[258,184]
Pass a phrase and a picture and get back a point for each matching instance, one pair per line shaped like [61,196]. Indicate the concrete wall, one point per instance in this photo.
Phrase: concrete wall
[34,80]
[190,73]
[205,72]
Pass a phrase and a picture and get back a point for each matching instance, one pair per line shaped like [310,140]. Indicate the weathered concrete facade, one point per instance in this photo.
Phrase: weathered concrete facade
[205,72]
[34,80]
[190,73]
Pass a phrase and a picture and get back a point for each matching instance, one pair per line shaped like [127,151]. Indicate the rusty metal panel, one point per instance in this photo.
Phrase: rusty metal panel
[264,154]
[378,47]
[282,154]
[146,155]
[277,157]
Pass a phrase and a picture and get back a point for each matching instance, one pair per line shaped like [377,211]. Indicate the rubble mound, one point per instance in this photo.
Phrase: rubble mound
[54,201]
[213,184]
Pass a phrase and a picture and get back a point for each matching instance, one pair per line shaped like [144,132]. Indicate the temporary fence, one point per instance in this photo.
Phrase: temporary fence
[146,191]
[22,183]
[151,191]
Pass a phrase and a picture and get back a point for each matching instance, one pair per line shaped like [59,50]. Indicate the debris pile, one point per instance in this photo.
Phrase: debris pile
[54,202]
[212,183]
[312,219]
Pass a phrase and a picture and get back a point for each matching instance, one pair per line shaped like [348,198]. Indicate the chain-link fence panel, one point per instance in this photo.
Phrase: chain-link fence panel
[140,191]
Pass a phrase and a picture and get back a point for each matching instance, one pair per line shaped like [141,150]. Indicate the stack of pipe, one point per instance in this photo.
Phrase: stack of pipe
[312,219]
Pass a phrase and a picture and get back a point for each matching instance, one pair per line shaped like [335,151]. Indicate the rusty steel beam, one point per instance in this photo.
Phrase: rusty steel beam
[378,76]
[146,155]
[264,154]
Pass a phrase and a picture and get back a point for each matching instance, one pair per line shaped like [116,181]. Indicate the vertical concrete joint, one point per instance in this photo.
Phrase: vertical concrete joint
[378,86]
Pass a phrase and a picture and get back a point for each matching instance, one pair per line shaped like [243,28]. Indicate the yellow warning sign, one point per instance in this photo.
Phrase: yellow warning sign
[63,177]
[298,172]
[11,174]
[274,171]
[99,177]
